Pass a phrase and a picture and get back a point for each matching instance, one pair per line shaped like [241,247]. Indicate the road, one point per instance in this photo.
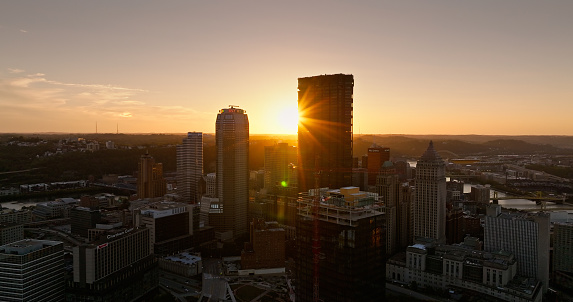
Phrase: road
[179,286]
[411,293]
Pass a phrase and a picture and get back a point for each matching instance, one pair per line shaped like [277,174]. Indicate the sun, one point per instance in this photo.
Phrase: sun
[287,119]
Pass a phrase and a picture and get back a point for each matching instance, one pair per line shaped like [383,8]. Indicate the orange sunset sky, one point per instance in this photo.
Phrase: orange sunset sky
[420,67]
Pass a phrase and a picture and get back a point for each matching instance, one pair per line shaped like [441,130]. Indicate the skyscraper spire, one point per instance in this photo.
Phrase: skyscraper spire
[431,154]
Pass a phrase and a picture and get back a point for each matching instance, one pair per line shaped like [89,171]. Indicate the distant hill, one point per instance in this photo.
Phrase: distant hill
[459,146]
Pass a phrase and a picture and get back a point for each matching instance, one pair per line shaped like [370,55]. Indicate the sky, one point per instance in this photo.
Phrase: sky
[420,67]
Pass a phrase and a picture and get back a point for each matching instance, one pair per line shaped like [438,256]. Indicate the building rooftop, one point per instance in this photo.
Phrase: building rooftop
[184,258]
[26,246]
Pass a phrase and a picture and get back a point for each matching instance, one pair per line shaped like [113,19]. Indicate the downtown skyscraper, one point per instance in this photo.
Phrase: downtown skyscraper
[325,130]
[232,140]
[190,167]
[429,207]
[150,181]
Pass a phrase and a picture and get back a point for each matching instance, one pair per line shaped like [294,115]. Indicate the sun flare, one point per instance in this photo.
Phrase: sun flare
[287,119]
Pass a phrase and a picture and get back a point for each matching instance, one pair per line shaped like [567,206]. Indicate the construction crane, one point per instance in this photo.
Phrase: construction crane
[316,235]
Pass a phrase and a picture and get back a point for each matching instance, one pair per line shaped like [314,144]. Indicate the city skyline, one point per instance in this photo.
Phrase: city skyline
[483,67]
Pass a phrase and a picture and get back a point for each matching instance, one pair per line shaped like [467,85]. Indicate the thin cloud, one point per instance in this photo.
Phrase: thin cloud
[25,82]
[23,31]
[15,70]
[37,95]
[130,103]
[37,91]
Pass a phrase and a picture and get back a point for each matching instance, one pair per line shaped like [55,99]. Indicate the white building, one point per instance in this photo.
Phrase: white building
[526,236]
[59,208]
[190,167]
[453,267]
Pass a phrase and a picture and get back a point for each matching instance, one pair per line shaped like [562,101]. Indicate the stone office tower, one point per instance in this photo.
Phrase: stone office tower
[232,139]
[150,181]
[325,130]
[429,207]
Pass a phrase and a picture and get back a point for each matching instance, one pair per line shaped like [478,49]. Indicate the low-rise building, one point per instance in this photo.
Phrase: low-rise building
[451,267]
[15,216]
[59,208]
[266,248]
[183,264]
[11,232]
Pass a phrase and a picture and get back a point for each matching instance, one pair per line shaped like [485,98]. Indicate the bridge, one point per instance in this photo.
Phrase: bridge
[538,198]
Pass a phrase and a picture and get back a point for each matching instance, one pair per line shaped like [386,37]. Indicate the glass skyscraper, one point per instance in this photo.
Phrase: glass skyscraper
[325,130]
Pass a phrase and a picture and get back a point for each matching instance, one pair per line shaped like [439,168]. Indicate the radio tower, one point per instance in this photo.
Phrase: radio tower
[316,235]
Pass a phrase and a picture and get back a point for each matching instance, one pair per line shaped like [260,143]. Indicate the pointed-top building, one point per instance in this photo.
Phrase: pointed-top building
[429,208]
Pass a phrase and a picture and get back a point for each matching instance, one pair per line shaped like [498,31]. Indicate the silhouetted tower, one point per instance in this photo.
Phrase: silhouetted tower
[232,139]
[325,129]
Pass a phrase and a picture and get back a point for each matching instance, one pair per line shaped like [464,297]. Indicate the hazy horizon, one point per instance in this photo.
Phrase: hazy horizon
[280,134]
[442,66]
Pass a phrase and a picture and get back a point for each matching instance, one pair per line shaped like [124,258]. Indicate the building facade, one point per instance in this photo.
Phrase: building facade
[190,167]
[563,247]
[350,232]
[404,223]
[118,266]
[11,232]
[377,156]
[429,207]
[82,219]
[527,236]
[232,140]
[32,270]
[150,181]
[454,267]
[266,248]
[387,187]
[280,160]
[171,225]
[325,130]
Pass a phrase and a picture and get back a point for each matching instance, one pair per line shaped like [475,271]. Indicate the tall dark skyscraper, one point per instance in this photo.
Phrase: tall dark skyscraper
[325,130]
[232,138]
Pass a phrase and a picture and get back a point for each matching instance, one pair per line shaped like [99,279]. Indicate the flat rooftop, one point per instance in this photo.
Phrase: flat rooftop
[26,246]
[184,258]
